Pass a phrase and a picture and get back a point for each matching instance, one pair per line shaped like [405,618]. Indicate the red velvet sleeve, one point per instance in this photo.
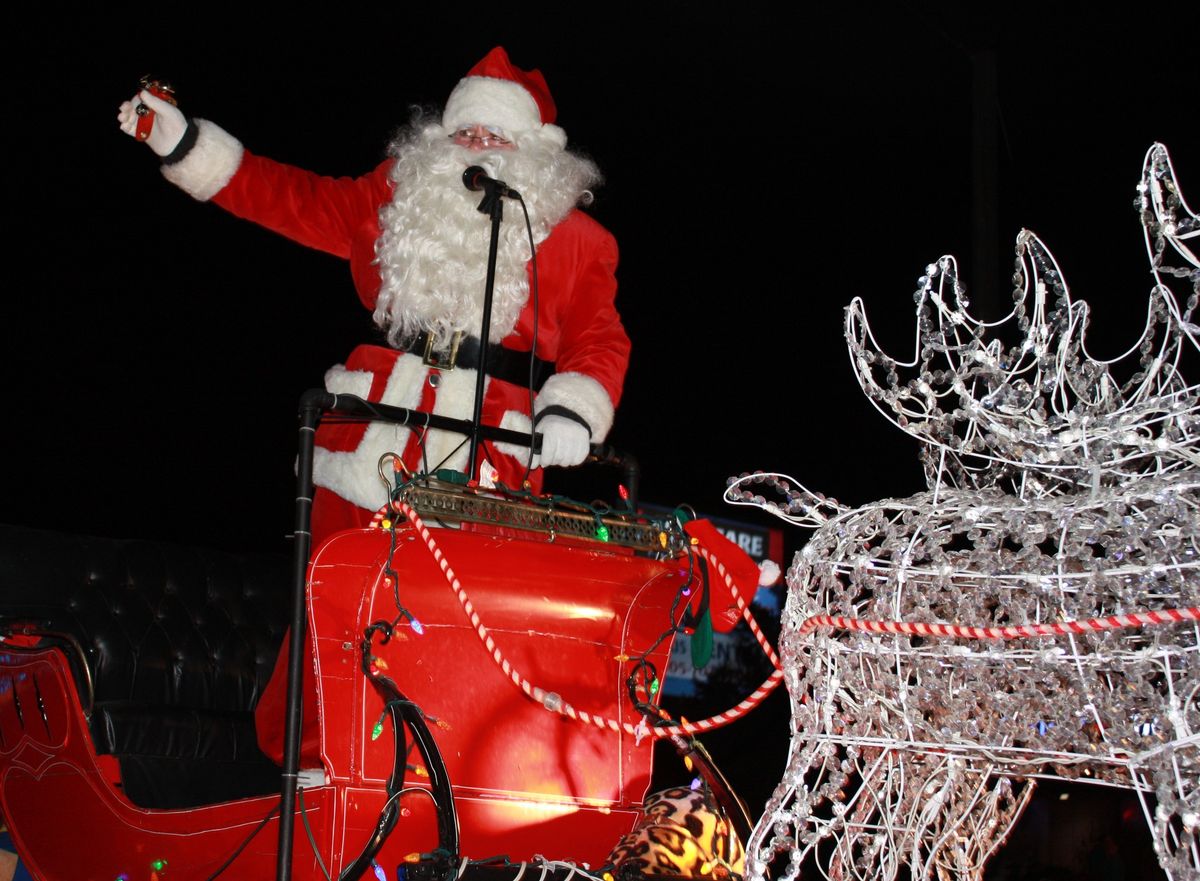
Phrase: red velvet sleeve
[592,339]
[316,211]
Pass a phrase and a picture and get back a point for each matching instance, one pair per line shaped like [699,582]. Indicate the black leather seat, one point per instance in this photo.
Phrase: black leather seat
[179,642]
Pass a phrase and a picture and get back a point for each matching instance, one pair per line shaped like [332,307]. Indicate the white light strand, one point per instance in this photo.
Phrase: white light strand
[1033,613]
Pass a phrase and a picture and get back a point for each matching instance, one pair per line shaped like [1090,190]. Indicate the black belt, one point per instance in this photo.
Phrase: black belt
[503,364]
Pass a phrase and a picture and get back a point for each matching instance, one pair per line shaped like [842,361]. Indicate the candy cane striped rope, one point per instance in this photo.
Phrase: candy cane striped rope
[552,701]
[742,607]
[1016,631]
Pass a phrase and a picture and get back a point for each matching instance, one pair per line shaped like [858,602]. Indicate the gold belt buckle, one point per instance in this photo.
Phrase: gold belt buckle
[442,360]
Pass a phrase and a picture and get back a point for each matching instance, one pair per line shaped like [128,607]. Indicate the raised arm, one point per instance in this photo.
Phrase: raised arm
[210,164]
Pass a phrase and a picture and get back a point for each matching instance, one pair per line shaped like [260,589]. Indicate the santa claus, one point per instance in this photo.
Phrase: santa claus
[417,247]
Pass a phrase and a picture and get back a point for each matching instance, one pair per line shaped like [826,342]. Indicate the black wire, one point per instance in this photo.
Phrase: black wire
[405,714]
[533,349]
[312,841]
[390,571]
[241,847]
[641,662]
[445,458]
[424,449]
[395,782]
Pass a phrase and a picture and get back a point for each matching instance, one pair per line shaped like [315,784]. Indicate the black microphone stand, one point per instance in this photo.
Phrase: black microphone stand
[492,204]
[313,404]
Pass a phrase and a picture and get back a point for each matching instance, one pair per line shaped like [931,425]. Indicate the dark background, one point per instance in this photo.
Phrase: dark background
[763,167]
[762,170]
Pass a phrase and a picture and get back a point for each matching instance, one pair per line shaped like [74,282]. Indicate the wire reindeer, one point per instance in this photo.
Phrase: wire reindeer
[1032,613]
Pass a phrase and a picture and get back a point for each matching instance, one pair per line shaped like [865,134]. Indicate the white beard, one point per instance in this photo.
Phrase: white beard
[432,250]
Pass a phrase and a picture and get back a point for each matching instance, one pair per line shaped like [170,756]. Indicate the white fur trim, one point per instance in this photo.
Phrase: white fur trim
[515,420]
[484,100]
[340,381]
[209,165]
[455,399]
[581,394]
[354,476]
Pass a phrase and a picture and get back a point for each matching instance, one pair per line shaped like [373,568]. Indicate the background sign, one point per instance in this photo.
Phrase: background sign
[730,650]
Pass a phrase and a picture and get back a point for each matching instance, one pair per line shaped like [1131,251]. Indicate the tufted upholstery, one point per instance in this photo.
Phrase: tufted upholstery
[180,642]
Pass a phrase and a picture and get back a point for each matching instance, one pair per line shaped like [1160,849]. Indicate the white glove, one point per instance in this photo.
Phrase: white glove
[169,123]
[564,442]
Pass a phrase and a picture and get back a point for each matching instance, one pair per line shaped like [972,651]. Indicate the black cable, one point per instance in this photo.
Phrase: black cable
[390,572]
[729,802]
[241,847]
[390,812]
[423,448]
[641,663]
[439,779]
[312,841]
[404,715]
[533,348]
[462,443]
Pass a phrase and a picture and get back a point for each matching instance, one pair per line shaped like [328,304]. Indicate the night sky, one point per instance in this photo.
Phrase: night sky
[761,171]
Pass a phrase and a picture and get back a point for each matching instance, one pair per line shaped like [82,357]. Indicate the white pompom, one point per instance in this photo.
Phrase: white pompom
[768,573]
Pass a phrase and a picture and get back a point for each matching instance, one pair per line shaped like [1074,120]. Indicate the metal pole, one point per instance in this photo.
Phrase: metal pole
[492,205]
[312,404]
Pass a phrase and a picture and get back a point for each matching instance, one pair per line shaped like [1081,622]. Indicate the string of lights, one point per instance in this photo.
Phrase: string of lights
[554,702]
[1034,612]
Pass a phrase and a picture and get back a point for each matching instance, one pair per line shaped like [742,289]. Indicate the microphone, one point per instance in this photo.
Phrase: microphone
[476,178]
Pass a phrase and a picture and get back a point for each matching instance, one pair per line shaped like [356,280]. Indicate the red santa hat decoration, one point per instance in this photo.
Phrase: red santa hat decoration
[497,93]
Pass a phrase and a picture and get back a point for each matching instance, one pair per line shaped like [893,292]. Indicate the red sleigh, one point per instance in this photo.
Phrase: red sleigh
[503,711]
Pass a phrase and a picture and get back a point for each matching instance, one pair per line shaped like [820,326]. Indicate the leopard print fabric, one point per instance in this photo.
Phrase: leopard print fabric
[682,833]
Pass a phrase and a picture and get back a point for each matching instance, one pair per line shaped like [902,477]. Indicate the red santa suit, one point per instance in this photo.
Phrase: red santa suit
[578,328]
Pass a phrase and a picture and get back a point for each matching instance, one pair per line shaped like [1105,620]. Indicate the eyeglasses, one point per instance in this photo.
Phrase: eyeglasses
[486,135]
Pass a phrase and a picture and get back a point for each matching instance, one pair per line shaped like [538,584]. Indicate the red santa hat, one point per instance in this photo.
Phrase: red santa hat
[495,92]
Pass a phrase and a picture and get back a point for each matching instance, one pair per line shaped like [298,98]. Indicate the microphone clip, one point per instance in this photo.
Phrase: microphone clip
[476,179]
